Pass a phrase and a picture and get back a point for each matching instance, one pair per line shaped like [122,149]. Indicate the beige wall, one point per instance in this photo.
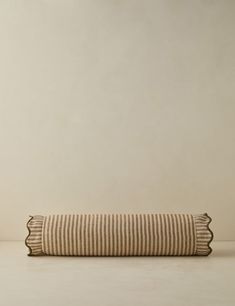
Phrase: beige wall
[117,106]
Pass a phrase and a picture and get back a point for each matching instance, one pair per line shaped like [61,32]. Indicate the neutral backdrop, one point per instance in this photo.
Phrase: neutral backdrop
[117,106]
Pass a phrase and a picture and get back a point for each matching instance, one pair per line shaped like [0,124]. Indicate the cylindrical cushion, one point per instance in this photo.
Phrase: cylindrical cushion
[119,235]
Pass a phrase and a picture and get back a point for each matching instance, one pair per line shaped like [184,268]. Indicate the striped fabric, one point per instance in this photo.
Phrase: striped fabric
[203,234]
[34,239]
[119,235]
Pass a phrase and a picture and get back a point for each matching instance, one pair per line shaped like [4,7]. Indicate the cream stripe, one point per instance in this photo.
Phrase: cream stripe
[110,235]
[101,234]
[81,228]
[185,234]
[181,245]
[146,235]
[53,235]
[166,251]
[124,235]
[48,234]
[71,240]
[131,235]
[117,235]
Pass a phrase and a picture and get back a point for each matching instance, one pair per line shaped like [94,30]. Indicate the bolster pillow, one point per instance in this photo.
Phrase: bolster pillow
[119,235]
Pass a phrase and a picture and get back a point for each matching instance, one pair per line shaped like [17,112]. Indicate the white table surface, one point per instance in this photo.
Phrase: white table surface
[139,281]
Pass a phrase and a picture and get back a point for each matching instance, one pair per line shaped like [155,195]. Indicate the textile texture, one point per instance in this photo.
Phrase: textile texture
[119,235]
